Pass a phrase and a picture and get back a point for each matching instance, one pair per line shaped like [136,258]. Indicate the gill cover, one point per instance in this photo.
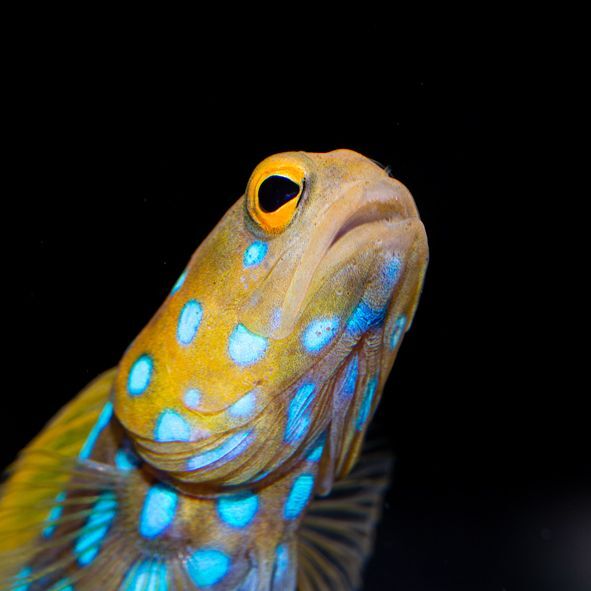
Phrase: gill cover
[282,330]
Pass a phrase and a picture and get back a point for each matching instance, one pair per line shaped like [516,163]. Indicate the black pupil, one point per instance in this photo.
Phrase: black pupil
[276,191]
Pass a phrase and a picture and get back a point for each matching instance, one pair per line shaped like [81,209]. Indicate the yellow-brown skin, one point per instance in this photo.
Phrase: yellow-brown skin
[304,276]
[350,241]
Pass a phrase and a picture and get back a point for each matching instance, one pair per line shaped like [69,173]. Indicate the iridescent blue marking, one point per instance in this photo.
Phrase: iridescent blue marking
[148,575]
[207,566]
[179,282]
[297,433]
[391,273]
[261,476]
[255,254]
[227,450]
[281,563]
[317,450]
[140,375]
[192,398]
[54,514]
[63,585]
[96,528]
[319,333]
[23,574]
[370,391]
[245,347]
[397,331]
[298,413]
[238,510]
[276,318]
[299,495]
[126,459]
[363,319]
[171,426]
[244,407]
[158,511]
[189,321]
[96,430]
[350,380]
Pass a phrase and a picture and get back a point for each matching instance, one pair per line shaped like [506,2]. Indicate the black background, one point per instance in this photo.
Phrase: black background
[123,164]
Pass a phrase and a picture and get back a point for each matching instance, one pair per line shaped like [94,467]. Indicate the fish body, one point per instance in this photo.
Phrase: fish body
[222,452]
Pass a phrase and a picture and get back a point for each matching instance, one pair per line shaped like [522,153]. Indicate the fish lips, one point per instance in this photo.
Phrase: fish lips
[378,215]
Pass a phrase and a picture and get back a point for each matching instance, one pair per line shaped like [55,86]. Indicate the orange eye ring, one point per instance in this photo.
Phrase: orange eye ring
[273,193]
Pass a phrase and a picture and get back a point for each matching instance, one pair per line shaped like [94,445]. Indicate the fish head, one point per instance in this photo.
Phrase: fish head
[277,339]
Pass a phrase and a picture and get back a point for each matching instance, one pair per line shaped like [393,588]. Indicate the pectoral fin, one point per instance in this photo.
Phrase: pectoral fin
[337,533]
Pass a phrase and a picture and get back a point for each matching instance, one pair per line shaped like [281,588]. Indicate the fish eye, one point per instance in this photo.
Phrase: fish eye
[276,191]
[273,194]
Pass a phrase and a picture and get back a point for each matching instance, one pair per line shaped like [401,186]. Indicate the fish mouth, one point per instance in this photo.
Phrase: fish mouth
[386,219]
[387,200]
[378,214]
[369,214]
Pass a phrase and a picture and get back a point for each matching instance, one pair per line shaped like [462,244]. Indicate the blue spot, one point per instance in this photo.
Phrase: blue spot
[255,254]
[147,575]
[262,475]
[397,331]
[96,430]
[140,375]
[158,511]
[189,321]
[299,495]
[171,426]
[298,413]
[238,510]
[317,450]
[227,450]
[192,398]
[94,531]
[179,282]
[276,318]
[363,319]
[126,459]
[245,347]
[22,575]
[319,333]
[350,380]
[370,391]
[244,407]
[391,273]
[301,428]
[207,567]
[54,514]
[281,563]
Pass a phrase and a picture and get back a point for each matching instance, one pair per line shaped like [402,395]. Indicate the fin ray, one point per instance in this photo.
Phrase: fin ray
[336,535]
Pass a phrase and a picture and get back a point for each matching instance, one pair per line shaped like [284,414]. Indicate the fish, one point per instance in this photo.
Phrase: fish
[226,449]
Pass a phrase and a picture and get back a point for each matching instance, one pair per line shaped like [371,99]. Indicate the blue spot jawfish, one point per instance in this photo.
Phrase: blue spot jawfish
[246,393]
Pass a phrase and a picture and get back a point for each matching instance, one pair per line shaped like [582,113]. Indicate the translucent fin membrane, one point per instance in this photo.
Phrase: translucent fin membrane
[337,533]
